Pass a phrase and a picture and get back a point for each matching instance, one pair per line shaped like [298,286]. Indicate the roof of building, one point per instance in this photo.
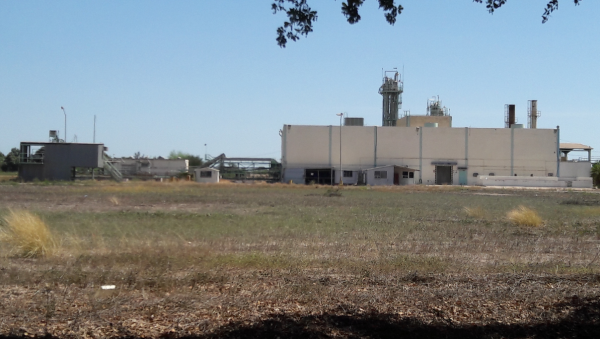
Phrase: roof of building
[206,169]
[573,145]
[395,166]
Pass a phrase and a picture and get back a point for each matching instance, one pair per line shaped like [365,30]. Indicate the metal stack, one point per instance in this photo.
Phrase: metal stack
[391,90]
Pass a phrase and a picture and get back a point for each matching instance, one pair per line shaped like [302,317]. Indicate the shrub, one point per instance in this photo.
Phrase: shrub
[524,216]
[475,212]
[27,233]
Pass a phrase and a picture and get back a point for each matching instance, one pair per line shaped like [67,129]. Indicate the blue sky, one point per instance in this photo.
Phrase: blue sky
[174,75]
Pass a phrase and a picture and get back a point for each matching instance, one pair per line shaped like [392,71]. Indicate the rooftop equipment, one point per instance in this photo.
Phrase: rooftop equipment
[354,121]
[391,90]
[532,114]
[435,109]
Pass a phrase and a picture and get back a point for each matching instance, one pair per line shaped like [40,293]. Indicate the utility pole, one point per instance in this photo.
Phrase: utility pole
[341,169]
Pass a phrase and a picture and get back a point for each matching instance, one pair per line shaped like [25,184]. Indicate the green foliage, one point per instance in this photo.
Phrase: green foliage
[2,156]
[300,16]
[595,172]
[10,162]
[194,160]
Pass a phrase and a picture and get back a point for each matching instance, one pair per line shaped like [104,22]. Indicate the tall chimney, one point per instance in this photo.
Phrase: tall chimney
[511,115]
[533,114]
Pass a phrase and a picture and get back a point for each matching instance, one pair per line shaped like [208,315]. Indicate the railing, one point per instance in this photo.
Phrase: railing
[111,169]
[37,159]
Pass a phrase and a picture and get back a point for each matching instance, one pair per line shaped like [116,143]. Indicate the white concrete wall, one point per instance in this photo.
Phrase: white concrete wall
[480,150]
[575,169]
[160,167]
[214,178]
[522,181]
[353,180]
[381,182]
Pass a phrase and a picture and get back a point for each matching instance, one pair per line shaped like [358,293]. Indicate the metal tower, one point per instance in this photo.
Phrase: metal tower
[391,90]
[532,114]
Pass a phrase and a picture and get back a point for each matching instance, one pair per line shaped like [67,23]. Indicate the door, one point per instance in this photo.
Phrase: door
[396,178]
[462,176]
[319,176]
[443,175]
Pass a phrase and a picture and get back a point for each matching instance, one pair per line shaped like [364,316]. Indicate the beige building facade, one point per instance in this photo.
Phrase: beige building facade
[453,156]
[421,120]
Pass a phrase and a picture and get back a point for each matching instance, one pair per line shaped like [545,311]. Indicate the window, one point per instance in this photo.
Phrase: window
[405,174]
[380,174]
[411,174]
[491,174]
[206,174]
[475,175]
[550,174]
[347,174]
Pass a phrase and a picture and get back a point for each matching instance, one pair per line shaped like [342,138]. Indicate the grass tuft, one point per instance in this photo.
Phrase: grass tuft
[27,233]
[114,201]
[524,216]
[475,212]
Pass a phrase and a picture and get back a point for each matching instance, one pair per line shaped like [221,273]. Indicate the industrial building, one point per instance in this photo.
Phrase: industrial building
[57,161]
[430,150]
[207,175]
[150,167]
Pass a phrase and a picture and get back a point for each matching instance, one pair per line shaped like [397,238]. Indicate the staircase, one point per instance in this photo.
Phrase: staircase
[111,169]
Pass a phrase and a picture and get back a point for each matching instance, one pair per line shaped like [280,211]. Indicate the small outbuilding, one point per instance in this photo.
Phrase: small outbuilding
[207,175]
[390,175]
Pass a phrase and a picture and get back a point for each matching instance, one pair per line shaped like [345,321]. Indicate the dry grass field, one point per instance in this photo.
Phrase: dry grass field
[294,261]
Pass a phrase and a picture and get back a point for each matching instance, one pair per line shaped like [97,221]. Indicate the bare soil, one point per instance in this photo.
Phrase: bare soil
[276,261]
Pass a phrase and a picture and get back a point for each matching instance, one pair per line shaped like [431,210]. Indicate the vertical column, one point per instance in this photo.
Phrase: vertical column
[375,150]
[420,154]
[467,151]
[283,152]
[558,151]
[330,164]
[512,151]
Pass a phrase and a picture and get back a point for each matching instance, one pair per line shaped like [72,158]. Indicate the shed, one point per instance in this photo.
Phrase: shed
[57,160]
[390,175]
[206,175]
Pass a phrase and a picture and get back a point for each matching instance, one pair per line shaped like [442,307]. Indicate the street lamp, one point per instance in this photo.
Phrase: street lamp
[63,109]
[341,170]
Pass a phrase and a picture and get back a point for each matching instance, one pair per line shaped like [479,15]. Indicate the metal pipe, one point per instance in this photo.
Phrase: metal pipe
[341,170]
[63,109]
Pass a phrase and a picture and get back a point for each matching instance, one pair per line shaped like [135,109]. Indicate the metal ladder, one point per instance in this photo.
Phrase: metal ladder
[111,169]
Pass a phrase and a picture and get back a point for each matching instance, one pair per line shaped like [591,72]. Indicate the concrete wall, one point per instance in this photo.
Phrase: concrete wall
[576,182]
[159,167]
[214,178]
[501,151]
[421,120]
[575,169]
[353,180]
[372,181]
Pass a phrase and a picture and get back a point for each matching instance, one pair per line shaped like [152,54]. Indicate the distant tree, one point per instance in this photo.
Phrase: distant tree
[11,161]
[301,16]
[194,160]
[596,173]
[2,156]
[138,155]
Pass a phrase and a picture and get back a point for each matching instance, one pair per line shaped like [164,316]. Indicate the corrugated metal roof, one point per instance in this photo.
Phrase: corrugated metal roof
[573,145]
[396,166]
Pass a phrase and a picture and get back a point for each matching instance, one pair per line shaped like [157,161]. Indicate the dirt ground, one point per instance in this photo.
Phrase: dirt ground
[244,261]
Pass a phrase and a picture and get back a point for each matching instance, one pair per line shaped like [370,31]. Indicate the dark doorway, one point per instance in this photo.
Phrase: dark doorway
[443,175]
[396,178]
[320,176]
